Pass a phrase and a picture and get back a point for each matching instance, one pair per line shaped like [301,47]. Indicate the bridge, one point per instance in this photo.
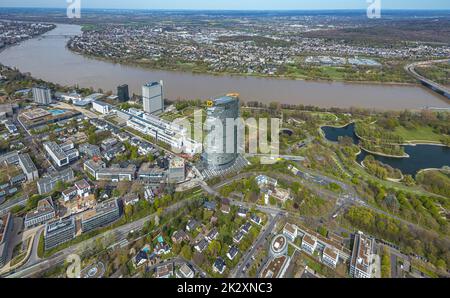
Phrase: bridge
[442,90]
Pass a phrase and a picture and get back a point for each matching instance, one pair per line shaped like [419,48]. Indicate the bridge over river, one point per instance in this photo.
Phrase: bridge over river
[411,69]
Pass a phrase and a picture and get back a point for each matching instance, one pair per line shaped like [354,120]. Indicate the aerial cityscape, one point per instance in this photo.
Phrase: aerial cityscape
[146,142]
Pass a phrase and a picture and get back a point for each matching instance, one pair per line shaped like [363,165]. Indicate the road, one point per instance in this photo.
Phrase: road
[411,69]
[351,198]
[241,268]
[120,233]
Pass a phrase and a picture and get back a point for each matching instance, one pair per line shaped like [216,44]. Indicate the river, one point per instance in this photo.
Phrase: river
[47,58]
[421,156]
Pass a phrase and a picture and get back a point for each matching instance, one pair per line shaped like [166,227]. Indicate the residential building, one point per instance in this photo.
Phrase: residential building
[238,237]
[6,227]
[232,252]
[42,95]
[83,188]
[44,212]
[92,166]
[153,97]
[212,235]
[246,227]
[309,244]
[179,236]
[226,209]
[28,167]
[177,171]
[362,255]
[123,93]
[256,219]
[103,214]
[58,232]
[201,245]
[48,183]
[102,107]
[330,257]
[191,225]
[184,272]
[219,265]
[130,199]
[141,258]
[242,212]
[89,150]
[221,153]
[164,271]
[210,205]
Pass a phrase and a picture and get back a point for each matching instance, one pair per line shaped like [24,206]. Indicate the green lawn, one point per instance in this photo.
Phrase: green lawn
[423,133]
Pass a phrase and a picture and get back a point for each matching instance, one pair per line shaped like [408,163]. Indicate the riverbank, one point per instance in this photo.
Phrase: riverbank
[234,74]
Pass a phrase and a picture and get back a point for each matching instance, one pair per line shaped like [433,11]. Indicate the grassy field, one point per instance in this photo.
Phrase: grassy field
[424,133]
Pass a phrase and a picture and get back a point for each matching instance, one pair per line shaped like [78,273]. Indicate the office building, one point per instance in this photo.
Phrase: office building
[177,171]
[170,133]
[28,167]
[92,166]
[330,257]
[153,97]
[101,107]
[42,95]
[278,246]
[58,232]
[103,214]
[44,212]
[123,93]
[276,267]
[115,173]
[6,227]
[63,154]
[150,174]
[216,154]
[362,254]
[48,183]
[309,243]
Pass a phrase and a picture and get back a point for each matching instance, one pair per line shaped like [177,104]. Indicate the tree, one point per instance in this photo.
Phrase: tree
[186,252]
[128,211]
[214,248]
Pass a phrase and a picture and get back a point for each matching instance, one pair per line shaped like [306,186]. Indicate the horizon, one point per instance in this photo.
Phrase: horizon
[229,9]
[246,5]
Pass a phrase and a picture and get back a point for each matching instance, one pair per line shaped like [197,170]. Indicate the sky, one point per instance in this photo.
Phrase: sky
[233,4]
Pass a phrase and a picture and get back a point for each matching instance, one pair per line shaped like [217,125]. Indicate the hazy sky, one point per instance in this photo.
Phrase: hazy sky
[234,4]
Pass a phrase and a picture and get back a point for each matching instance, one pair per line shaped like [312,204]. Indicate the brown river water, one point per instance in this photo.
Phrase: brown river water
[47,58]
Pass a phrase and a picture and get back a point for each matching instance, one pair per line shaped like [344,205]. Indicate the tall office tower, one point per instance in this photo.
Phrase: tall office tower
[153,97]
[123,93]
[216,155]
[42,95]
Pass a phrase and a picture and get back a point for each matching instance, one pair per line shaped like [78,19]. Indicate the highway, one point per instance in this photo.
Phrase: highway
[411,69]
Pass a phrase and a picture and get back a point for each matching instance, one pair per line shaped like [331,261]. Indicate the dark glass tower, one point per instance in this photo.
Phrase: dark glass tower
[122,93]
[215,155]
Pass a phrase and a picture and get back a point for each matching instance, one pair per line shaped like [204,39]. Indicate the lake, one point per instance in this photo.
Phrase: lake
[421,156]
[47,58]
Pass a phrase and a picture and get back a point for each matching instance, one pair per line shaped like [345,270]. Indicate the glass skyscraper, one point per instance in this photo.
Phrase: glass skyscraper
[219,110]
